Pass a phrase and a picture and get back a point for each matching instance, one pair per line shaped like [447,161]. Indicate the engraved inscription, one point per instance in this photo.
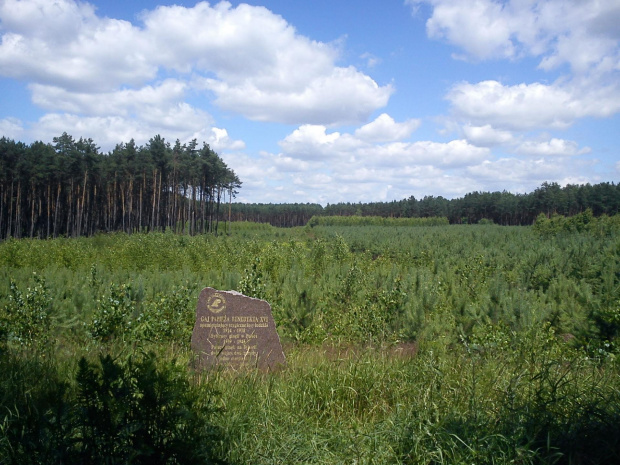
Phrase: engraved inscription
[236,331]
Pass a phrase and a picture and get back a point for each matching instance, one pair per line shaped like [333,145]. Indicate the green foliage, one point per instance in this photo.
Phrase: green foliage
[134,411]
[112,318]
[251,284]
[35,415]
[131,189]
[26,318]
[580,223]
[443,344]
[166,318]
[375,221]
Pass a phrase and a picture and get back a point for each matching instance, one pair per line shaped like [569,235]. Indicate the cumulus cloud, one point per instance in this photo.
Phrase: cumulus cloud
[118,102]
[524,174]
[11,128]
[220,140]
[357,158]
[344,96]
[385,129]
[487,136]
[552,148]
[312,142]
[451,154]
[324,166]
[64,43]
[252,60]
[581,33]
[529,106]
[481,27]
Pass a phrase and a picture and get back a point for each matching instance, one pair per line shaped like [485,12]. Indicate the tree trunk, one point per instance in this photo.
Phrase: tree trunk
[18,226]
[32,203]
[81,209]
[157,221]
[153,203]
[56,209]
[49,197]
[123,206]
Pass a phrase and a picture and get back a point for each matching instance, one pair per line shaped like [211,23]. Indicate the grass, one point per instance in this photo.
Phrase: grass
[426,345]
[378,405]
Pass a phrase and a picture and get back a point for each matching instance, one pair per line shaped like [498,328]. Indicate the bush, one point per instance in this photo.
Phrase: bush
[26,318]
[137,411]
[112,316]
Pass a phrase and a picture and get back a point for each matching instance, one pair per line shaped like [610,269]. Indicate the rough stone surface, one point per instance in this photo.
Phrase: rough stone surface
[235,331]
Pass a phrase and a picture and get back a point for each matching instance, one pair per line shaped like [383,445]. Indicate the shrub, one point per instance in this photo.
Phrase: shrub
[26,319]
[133,411]
[112,316]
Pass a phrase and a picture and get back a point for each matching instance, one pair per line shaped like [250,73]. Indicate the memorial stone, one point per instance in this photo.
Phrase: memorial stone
[236,331]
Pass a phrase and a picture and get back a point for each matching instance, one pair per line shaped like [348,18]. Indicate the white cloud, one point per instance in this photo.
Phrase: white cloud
[311,142]
[523,175]
[341,97]
[481,27]
[263,69]
[64,43]
[11,128]
[371,60]
[118,102]
[318,165]
[455,153]
[220,140]
[385,129]
[582,33]
[251,59]
[552,148]
[314,143]
[530,106]
[487,136]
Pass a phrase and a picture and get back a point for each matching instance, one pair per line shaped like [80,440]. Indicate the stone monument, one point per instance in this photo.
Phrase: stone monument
[236,331]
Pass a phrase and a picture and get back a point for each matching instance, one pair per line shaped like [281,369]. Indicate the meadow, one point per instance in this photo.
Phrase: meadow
[407,343]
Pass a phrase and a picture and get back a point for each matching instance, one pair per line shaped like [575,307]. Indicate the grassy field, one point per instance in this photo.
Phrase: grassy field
[406,344]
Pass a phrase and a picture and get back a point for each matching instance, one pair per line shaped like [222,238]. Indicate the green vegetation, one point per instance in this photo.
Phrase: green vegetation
[505,208]
[411,343]
[71,189]
[375,221]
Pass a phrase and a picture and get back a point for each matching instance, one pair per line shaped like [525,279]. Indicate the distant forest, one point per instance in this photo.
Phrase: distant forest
[69,188]
[502,208]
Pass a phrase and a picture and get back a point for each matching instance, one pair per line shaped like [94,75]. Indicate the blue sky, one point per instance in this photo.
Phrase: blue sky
[330,101]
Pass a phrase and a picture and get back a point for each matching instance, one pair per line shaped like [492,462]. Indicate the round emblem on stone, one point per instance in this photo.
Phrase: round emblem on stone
[216,303]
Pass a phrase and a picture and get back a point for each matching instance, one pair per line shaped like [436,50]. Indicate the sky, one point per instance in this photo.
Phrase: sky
[329,101]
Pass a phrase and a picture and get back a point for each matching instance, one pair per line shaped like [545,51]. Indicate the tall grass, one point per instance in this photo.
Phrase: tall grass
[528,401]
[442,344]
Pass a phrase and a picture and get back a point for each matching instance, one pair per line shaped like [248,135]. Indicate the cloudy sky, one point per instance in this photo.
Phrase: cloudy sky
[330,100]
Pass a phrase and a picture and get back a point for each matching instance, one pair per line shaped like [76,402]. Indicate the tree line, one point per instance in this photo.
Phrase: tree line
[503,208]
[70,188]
